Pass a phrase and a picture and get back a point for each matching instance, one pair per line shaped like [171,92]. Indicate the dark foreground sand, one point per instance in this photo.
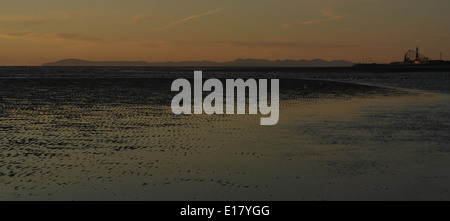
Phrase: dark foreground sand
[116,139]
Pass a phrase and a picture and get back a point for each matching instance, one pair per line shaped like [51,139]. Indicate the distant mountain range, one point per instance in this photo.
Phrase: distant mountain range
[235,63]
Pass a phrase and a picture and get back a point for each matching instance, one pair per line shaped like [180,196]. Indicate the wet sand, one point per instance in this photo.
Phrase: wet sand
[116,139]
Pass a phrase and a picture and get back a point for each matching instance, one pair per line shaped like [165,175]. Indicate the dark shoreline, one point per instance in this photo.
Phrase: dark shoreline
[428,79]
[357,68]
[353,69]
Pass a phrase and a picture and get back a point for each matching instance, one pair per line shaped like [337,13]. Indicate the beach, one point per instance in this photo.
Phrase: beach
[115,138]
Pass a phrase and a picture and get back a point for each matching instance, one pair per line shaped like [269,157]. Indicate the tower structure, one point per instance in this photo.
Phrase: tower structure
[417,53]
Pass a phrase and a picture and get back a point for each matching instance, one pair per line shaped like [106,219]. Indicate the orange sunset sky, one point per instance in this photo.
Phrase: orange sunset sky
[33,32]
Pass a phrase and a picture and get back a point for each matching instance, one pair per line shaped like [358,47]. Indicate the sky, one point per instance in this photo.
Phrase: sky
[33,32]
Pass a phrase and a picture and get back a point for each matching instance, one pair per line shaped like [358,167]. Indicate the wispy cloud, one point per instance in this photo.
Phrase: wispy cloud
[33,19]
[314,21]
[49,37]
[189,18]
[137,18]
[25,20]
[56,16]
[75,37]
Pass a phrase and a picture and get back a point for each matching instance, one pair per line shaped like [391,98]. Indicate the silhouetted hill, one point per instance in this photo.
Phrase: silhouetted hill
[79,62]
[235,63]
